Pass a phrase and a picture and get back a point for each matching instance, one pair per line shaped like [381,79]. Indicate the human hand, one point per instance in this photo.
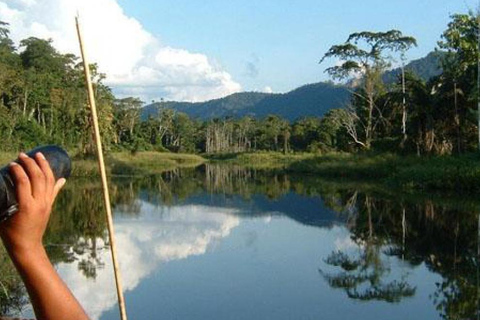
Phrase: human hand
[36,191]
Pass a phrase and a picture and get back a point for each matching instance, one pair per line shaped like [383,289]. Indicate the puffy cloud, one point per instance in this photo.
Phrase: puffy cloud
[267,89]
[136,62]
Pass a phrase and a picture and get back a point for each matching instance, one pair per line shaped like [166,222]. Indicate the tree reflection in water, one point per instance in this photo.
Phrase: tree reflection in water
[361,276]
[440,232]
[12,292]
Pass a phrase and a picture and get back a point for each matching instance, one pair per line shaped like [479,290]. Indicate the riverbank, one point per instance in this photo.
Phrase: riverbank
[141,163]
[409,173]
[260,160]
[440,173]
[126,163]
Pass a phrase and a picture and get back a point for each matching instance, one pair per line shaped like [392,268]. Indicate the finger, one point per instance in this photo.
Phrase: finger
[22,182]
[37,178]
[47,171]
[58,186]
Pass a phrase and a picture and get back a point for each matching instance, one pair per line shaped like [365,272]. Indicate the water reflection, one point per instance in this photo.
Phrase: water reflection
[441,234]
[12,293]
[389,238]
[162,235]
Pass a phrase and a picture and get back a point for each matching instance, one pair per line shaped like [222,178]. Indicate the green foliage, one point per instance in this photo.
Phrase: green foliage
[130,164]
[366,55]
[427,107]
[442,173]
[147,163]
[42,100]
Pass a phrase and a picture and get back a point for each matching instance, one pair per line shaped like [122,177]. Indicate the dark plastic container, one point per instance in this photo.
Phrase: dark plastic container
[59,162]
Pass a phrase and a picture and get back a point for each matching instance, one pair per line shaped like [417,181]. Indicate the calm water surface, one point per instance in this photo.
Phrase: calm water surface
[228,243]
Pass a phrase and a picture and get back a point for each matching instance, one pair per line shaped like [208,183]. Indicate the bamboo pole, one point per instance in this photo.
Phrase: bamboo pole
[478,75]
[101,165]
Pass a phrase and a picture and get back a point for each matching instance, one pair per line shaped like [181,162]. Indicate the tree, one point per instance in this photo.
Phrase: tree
[127,116]
[332,133]
[364,54]
[271,130]
[183,133]
[305,131]
[461,66]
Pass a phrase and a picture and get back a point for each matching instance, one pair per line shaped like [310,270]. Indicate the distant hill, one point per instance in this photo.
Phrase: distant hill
[309,100]
[426,68]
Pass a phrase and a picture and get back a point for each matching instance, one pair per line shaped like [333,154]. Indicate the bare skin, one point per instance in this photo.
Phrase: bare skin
[22,236]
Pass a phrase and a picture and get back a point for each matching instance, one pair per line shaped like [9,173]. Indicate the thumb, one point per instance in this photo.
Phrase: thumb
[58,186]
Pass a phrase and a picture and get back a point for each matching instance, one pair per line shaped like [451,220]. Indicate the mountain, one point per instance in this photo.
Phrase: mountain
[309,100]
[425,68]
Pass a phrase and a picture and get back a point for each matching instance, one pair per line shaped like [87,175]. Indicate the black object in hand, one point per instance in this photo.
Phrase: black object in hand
[59,162]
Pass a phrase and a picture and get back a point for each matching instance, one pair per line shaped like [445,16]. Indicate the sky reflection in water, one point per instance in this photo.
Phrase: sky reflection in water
[203,259]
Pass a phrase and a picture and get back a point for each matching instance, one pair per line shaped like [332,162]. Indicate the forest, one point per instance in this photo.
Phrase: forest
[43,100]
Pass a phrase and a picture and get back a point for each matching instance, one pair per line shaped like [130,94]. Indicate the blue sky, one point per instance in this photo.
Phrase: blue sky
[278,43]
[198,50]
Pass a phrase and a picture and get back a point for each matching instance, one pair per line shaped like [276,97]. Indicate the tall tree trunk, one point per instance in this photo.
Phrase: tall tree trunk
[404,110]
[457,118]
[286,136]
[25,100]
[369,87]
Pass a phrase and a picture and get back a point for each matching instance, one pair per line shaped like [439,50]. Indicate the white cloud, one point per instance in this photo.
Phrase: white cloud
[135,61]
[161,235]
[268,89]
[344,243]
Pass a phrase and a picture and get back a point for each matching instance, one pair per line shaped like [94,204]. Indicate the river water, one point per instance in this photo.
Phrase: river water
[222,242]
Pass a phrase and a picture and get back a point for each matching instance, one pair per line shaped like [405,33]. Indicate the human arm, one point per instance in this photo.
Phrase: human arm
[22,236]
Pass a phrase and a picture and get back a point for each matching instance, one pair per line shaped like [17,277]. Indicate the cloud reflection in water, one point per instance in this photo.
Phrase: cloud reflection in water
[159,235]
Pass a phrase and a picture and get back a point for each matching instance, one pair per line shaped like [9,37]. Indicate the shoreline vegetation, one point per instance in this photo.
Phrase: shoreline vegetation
[389,119]
[126,163]
[406,173]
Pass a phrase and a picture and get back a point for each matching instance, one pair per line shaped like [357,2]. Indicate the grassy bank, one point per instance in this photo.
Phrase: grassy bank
[141,163]
[125,163]
[447,173]
[442,173]
[260,160]
[409,173]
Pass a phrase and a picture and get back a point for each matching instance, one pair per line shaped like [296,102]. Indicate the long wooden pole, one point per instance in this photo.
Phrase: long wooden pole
[478,74]
[101,165]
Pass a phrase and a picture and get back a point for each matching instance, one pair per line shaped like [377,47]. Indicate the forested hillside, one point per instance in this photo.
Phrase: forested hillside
[312,100]
[425,68]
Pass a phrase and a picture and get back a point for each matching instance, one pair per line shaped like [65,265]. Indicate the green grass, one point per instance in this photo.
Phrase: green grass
[443,173]
[125,163]
[260,160]
[7,157]
[150,162]
[345,165]
[410,173]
